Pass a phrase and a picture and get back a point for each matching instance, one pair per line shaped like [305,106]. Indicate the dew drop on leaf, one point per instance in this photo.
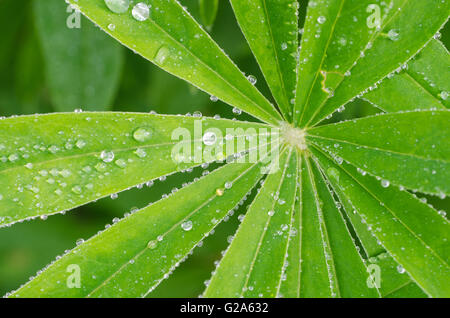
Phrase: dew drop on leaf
[80,144]
[393,35]
[443,95]
[152,244]
[209,138]
[140,153]
[141,11]
[161,55]
[321,19]
[79,242]
[333,173]
[187,226]
[400,269]
[385,183]
[121,163]
[107,156]
[118,6]
[252,79]
[142,134]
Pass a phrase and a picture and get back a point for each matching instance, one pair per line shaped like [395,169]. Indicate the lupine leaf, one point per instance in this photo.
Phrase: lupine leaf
[253,264]
[52,163]
[397,147]
[410,230]
[271,29]
[422,85]
[174,41]
[83,65]
[350,62]
[131,258]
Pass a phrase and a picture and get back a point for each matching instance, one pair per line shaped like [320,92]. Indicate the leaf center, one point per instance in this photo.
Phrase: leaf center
[293,136]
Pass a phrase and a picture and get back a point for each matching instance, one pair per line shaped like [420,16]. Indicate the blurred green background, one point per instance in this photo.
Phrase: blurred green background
[46,66]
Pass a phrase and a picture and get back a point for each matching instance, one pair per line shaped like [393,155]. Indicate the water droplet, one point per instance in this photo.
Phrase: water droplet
[187,226]
[111,27]
[141,11]
[284,46]
[252,79]
[114,196]
[121,163]
[79,242]
[53,149]
[400,269]
[321,19]
[213,98]
[100,167]
[76,190]
[219,192]
[107,156]
[142,134]
[161,55]
[393,35]
[333,173]
[209,138]
[271,213]
[443,95]
[140,153]
[237,111]
[385,183]
[118,6]
[152,244]
[80,144]
[13,157]
[228,185]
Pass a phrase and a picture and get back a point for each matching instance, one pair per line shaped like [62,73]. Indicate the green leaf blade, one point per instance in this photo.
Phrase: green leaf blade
[271,29]
[131,258]
[396,37]
[411,231]
[422,85]
[253,264]
[174,41]
[396,147]
[52,163]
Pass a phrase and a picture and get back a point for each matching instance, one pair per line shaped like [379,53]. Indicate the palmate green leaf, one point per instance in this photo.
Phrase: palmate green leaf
[422,85]
[83,65]
[271,29]
[174,41]
[410,230]
[208,12]
[343,51]
[323,260]
[131,258]
[51,163]
[400,148]
[253,264]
